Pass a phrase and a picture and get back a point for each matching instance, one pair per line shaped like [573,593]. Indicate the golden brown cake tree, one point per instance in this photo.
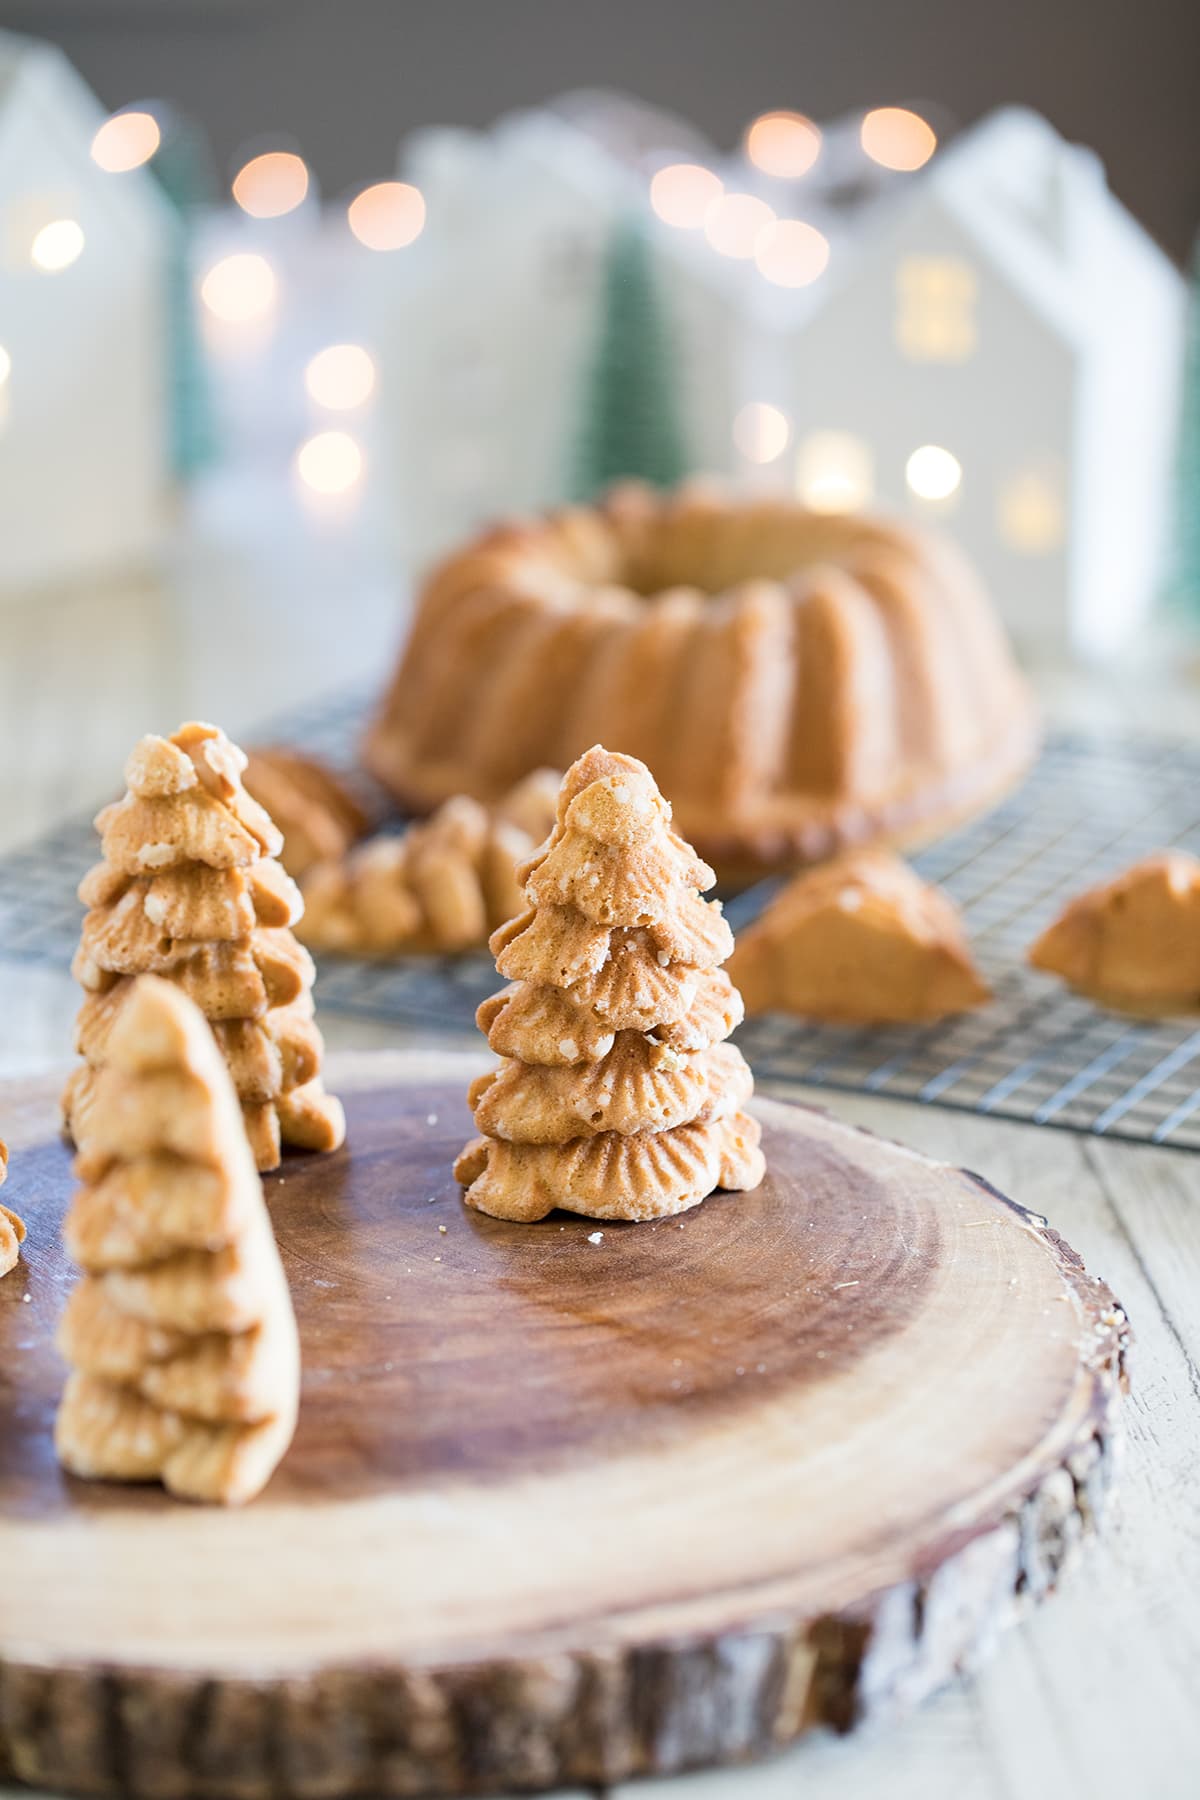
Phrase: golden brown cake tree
[189,889]
[861,940]
[12,1229]
[1132,943]
[616,1095]
[441,887]
[180,1336]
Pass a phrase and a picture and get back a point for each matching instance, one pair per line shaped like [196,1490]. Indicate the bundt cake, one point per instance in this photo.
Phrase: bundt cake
[797,681]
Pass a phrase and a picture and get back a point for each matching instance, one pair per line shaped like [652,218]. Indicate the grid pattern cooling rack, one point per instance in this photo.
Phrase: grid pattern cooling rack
[1036,1053]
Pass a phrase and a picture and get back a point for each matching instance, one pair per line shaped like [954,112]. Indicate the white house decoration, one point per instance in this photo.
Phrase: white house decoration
[83,347]
[997,348]
[989,342]
[485,327]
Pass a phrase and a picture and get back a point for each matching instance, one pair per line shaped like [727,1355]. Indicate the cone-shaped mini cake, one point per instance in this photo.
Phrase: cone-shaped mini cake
[1132,943]
[616,1095]
[443,886]
[862,940]
[12,1229]
[189,889]
[180,1336]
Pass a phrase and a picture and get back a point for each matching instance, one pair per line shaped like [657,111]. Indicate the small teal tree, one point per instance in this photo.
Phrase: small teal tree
[1185,572]
[630,423]
[182,166]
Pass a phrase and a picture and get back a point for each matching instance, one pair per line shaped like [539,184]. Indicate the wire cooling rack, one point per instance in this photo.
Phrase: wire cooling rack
[1036,1053]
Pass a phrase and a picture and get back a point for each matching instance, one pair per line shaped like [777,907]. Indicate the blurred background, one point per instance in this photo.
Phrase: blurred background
[349,79]
[293,296]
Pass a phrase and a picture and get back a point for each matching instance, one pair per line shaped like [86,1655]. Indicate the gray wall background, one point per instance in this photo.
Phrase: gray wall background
[347,78]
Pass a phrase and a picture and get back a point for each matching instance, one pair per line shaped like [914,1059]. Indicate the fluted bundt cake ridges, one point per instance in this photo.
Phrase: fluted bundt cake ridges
[12,1229]
[860,940]
[797,681]
[189,889]
[616,1095]
[443,886]
[180,1336]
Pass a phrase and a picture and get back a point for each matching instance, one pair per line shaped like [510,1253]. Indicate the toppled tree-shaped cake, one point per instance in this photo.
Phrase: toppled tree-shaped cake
[441,887]
[180,1336]
[12,1229]
[190,889]
[1132,943]
[317,812]
[861,940]
[616,1095]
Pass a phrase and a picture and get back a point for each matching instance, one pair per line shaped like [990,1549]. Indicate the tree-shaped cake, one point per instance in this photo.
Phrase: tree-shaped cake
[190,889]
[616,1095]
[180,1336]
[12,1229]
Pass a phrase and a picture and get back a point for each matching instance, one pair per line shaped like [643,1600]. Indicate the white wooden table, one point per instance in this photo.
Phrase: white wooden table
[1097,1692]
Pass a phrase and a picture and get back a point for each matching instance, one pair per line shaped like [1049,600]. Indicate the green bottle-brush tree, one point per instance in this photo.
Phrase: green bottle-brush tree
[182,166]
[630,425]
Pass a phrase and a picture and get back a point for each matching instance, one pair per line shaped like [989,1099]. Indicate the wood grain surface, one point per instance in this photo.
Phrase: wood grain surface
[558,1509]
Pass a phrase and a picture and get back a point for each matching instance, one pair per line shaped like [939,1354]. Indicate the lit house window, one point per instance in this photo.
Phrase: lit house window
[935,308]
[1030,511]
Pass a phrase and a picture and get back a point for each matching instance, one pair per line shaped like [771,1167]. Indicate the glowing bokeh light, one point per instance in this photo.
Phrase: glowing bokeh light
[329,462]
[933,473]
[898,139]
[734,222]
[835,472]
[240,288]
[784,144]
[57,245]
[272,184]
[341,377]
[388,216]
[5,365]
[126,141]
[791,253]
[682,193]
[761,432]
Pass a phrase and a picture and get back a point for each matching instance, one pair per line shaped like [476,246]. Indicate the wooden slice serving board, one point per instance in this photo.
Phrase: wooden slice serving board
[559,1511]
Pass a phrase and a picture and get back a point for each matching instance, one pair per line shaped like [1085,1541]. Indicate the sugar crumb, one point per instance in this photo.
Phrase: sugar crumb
[595,1237]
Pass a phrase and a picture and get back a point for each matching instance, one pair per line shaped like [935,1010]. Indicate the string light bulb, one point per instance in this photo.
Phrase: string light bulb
[791,253]
[785,144]
[897,139]
[933,473]
[834,472]
[271,184]
[57,245]
[341,377]
[240,289]
[330,462]
[125,142]
[682,193]
[734,223]
[388,216]
[761,432]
